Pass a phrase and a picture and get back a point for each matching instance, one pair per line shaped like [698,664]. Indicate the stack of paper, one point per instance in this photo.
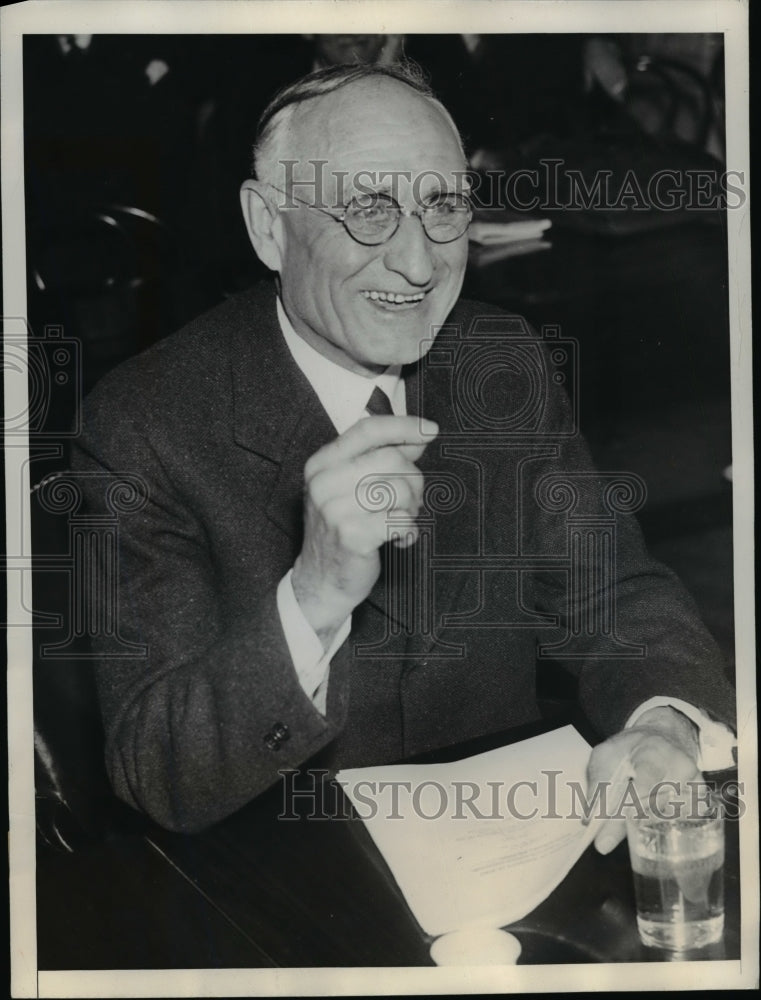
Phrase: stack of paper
[489,233]
[491,241]
[481,841]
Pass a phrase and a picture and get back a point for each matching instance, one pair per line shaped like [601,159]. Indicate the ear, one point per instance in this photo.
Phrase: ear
[263,224]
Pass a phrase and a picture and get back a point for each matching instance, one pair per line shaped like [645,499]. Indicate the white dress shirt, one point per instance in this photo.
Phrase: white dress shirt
[344,395]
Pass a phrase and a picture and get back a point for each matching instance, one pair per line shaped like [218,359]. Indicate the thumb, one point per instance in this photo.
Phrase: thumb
[610,835]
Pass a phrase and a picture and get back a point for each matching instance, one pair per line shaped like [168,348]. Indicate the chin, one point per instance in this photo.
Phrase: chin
[409,351]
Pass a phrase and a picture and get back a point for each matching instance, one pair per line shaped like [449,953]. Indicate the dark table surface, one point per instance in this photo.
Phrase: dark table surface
[316,892]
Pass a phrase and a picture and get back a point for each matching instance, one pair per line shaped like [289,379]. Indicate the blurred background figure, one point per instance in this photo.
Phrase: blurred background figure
[109,134]
[107,117]
[671,85]
[337,50]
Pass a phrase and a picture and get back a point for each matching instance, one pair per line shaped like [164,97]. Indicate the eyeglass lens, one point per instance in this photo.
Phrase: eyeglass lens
[375,220]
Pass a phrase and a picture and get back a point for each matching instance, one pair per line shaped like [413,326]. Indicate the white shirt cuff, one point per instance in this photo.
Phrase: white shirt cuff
[715,740]
[310,661]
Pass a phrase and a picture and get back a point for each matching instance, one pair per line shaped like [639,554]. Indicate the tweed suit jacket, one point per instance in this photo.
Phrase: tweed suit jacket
[218,421]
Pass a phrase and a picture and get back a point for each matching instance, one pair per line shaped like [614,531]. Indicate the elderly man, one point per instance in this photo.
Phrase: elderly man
[276,598]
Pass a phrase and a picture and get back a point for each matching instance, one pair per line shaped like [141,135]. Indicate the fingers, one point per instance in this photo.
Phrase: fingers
[409,433]
[608,760]
[656,758]
[379,482]
[610,836]
[361,490]
[658,768]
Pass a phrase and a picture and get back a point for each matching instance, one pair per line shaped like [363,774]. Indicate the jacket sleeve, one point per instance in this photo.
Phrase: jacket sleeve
[656,643]
[203,720]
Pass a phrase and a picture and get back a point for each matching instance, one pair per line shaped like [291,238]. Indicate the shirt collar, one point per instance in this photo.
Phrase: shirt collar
[343,393]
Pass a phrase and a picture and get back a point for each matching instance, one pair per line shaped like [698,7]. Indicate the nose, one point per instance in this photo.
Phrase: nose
[410,253]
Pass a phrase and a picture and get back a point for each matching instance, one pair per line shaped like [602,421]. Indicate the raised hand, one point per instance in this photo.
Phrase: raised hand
[339,561]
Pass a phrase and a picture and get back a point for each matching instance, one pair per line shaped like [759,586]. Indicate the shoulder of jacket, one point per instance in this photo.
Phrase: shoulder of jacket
[467,311]
[191,360]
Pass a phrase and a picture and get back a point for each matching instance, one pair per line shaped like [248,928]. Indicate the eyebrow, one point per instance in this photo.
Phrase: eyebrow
[465,189]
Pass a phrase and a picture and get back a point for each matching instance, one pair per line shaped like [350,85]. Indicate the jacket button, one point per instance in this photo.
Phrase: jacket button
[278,735]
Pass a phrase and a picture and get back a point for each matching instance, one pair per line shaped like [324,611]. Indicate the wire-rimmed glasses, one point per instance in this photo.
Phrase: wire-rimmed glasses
[373,218]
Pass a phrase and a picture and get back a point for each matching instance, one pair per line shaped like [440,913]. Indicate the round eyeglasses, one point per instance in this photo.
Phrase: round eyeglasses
[372,219]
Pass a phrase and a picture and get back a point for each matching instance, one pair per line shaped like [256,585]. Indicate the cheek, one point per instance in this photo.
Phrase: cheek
[322,251]
[454,262]
[337,266]
[455,257]
[326,267]
[304,267]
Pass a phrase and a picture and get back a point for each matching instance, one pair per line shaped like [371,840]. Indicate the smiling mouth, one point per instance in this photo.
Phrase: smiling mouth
[393,300]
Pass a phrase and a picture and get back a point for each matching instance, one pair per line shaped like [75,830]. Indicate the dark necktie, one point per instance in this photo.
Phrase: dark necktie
[379,405]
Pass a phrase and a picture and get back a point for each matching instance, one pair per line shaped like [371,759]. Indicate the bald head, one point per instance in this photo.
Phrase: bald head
[340,99]
[372,147]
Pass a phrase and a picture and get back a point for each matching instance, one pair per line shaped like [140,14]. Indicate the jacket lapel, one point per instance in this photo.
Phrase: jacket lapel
[276,412]
[404,592]
[285,507]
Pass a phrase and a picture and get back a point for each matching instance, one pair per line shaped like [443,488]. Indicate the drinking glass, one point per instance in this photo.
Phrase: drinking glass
[678,866]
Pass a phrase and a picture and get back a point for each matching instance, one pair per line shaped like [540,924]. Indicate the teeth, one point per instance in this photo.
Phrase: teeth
[395,297]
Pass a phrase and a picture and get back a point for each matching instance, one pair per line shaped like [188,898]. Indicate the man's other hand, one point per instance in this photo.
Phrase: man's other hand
[661,747]
[339,561]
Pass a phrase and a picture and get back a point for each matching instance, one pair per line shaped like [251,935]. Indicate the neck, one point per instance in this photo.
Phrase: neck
[333,353]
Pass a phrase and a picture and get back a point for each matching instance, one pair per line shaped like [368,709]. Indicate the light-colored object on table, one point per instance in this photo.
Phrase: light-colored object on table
[491,233]
[471,842]
[476,946]
[483,256]
[678,867]
[156,70]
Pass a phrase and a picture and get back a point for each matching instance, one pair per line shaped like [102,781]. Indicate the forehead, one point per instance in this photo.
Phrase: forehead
[378,125]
